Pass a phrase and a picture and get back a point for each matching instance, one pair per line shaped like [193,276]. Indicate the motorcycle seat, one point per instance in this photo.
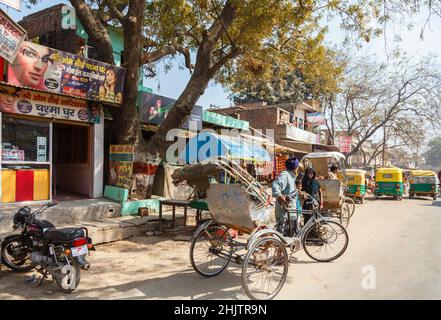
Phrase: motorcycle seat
[64,234]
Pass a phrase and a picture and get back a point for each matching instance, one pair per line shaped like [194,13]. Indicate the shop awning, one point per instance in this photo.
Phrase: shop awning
[279,148]
[207,145]
[326,147]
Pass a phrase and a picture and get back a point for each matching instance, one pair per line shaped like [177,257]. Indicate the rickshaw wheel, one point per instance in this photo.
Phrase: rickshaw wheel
[345,214]
[211,251]
[325,241]
[351,203]
[265,269]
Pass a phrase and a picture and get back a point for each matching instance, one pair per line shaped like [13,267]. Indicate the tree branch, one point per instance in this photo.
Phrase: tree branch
[114,12]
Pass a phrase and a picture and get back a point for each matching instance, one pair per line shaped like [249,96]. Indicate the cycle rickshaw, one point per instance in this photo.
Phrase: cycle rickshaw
[245,206]
[334,199]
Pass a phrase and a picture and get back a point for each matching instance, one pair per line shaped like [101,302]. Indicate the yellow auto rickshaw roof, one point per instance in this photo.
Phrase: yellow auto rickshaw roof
[423,173]
[358,171]
[390,170]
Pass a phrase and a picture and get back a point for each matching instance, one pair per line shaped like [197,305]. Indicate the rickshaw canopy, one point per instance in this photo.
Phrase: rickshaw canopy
[207,145]
[389,175]
[355,177]
[423,177]
[423,173]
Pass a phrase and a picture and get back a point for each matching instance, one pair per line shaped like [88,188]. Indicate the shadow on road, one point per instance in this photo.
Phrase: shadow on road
[433,204]
[185,283]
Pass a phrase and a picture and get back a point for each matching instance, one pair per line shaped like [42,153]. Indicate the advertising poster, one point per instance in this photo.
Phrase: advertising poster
[153,109]
[315,118]
[55,71]
[27,102]
[121,165]
[344,143]
[11,37]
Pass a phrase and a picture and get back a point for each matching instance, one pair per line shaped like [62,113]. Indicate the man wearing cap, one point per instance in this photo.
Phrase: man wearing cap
[285,185]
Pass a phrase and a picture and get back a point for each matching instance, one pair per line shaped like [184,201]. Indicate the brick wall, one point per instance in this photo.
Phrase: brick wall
[259,118]
[46,24]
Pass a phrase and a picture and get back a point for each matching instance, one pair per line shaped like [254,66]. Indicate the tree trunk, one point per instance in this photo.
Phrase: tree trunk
[128,130]
[96,31]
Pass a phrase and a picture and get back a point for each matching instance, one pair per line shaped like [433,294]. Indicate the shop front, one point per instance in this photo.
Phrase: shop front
[52,147]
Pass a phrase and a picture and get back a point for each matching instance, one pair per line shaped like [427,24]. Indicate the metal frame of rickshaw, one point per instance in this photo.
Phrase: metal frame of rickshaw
[256,235]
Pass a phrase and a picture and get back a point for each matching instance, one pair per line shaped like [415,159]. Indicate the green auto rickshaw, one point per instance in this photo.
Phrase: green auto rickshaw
[389,182]
[356,184]
[423,183]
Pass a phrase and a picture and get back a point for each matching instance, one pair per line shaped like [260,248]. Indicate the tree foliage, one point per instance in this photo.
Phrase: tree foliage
[433,154]
[400,97]
[221,40]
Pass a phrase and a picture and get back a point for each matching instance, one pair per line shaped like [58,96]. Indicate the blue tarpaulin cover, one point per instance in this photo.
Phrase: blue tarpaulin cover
[208,145]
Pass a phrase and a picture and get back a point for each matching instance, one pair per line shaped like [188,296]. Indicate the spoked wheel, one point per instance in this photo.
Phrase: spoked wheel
[16,255]
[351,204]
[265,269]
[325,241]
[345,214]
[211,251]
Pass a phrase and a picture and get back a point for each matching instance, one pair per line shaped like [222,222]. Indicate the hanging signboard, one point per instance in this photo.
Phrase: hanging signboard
[315,118]
[153,109]
[55,71]
[14,4]
[121,165]
[344,143]
[11,37]
[27,102]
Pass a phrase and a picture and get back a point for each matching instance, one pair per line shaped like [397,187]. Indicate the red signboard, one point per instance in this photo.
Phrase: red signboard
[344,143]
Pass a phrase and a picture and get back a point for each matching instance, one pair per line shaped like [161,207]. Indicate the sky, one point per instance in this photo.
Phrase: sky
[173,82]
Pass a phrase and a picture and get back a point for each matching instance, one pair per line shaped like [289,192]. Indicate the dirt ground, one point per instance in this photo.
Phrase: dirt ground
[116,268]
[394,238]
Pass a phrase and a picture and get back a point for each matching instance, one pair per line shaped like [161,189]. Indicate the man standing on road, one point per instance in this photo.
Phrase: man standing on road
[285,185]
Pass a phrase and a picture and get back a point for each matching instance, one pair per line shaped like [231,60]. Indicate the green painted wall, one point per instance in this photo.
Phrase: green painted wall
[224,121]
[116,38]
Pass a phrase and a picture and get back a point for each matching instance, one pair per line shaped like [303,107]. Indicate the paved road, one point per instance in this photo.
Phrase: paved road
[396,242]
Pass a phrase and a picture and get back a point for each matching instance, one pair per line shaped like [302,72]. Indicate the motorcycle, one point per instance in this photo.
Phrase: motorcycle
[40,245]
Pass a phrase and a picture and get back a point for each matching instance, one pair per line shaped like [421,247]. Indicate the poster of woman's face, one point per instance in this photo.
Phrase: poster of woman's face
[30,65]
[111,88]
[7,102]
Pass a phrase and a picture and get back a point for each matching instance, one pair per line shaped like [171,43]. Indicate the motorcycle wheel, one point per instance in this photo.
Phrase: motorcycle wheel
[16,255]
[64,281]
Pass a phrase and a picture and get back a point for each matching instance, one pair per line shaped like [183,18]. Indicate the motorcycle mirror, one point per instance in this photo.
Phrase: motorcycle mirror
[51,204]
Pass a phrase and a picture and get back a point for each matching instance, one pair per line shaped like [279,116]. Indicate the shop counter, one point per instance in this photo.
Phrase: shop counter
[25,184]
